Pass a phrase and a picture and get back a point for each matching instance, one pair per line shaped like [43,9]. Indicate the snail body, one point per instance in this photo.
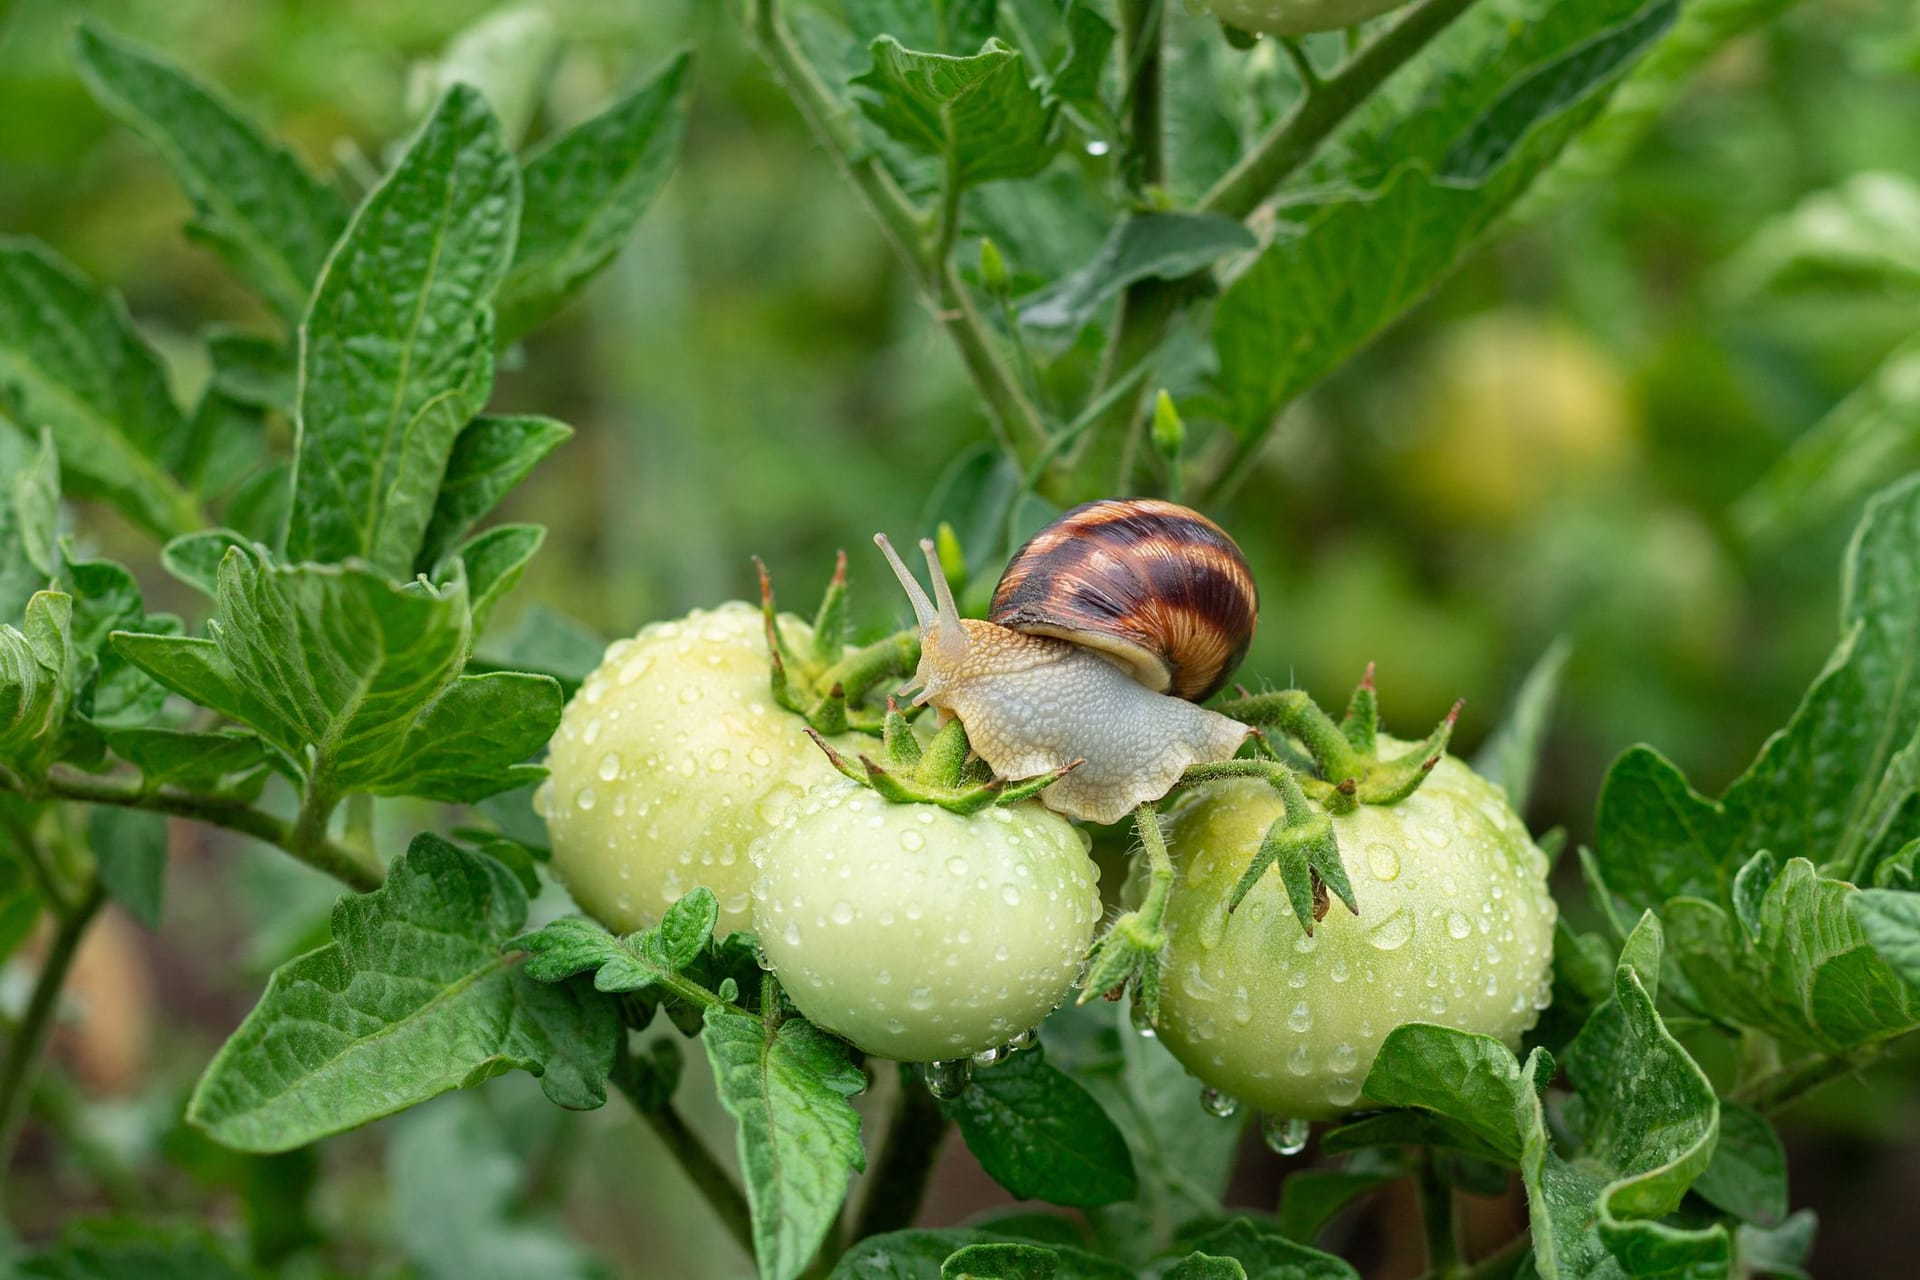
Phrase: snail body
[1107,628]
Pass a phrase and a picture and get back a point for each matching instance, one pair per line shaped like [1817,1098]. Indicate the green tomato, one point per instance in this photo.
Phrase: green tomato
[923,935]
[1455,927]
[670,761]
[1297,17]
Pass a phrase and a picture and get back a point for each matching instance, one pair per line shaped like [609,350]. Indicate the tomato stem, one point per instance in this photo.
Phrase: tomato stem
[708,1176]
[29,1040]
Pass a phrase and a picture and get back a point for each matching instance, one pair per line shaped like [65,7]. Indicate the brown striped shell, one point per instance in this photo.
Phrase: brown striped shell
[1154,585]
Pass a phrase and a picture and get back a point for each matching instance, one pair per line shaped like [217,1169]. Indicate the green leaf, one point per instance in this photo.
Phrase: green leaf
[549,642]
[1510,756]
[978,114]
[255,371]
[1647,1120]
[194,558]
[377,706]
[1163,245]
[36,682]
[255,203]
[575,944]
[29,519]
[111,1249]
[1311,1197]
[1078,76]
[799,1139]
[1042,1136]
[412,998]
[1204,1266]
[1470,1083]
[1364,244]
[194,760]
[1267,1256]
[585,190]
[1657,838]
[1748,1173]
[1812,976]
[396,350]
[1777,1251]
[457,1192]
[942,26]
[130,852]
[490,456]
[509,55]
[1021,1261]
[493,563]
[70,362]
[905,1255]
[1890,919]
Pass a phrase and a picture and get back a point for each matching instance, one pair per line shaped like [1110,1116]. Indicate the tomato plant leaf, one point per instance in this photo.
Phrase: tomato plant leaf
[1780,1251]
[71,362]
[1812,975]
[1655,836]
[799,1137]
[1647,1120]
[457,1184]
[1510,756]
[980,114]
[1042,1136]
[1204,1266]
[1267,1256]
[114,1249]
[255,371]
[36,682]
[130,853]
[255,203]
[490,456]
[378,705]
[905,1255]
[1890,919]
[194,558]
[29,518]
[1163,245]
[1748,1173]
[509,55]
[493,562]
[940,26]
[585,190]
[1310,1198]
[1365,243]
[412,998]
[1470,1083]
[1018,1260]
[197,760]
[396,350]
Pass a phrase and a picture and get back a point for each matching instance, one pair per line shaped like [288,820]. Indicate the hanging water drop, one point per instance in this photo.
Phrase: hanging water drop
[1217,1104]
[1024,1041]
[1286,1136]
[992,1057]
[1142,1024]
[1098,147]
[949,1079]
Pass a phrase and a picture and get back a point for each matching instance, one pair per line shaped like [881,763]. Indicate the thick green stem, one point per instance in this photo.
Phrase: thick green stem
[897,1181]
[702,1168]
[1296,714]
[1436,1213]
[1022,431]
[349,866]
[29,1041]
[1153,905]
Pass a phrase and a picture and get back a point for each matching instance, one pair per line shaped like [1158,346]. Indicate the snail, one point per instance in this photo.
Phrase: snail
[1106,630]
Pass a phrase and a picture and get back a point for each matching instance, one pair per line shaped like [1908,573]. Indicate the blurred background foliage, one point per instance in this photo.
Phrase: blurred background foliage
[1557,442]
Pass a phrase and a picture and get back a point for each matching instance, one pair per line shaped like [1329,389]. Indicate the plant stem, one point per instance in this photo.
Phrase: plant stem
[1148,306]
[1022,431]
[1498,1265]
[1436,1212]
[897,1180]
[350,866]
[29,1041]
[1779,1089]
[703,1169]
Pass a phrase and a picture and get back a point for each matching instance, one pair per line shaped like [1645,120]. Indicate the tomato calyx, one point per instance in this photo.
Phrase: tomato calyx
[945,773]
[827,681]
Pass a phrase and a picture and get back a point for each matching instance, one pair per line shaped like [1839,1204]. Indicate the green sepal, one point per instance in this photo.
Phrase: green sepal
[896,736]
[830,626]
[1392,781]
[1361,723]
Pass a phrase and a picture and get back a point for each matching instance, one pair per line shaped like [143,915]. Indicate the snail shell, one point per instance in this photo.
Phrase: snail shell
[1153,585]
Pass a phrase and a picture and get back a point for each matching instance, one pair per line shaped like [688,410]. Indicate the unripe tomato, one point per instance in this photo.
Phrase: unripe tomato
[1455,927]
[1510,411]
[1297,17]
[669,762]
[923,935]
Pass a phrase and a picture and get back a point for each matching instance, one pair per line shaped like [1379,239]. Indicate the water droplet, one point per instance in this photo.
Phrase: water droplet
[543,799]
[912,841]
[921,998]
[1458,925]
[1009,895]
[1383,861]
[1343,1092]
[843,912]
[1344,1058]
[1300,1062]
[949,1079]
[1025,1040]
[609,766]
[1098,147]
[1217,1104]
[792,933]
[992,1057]
[957,865]
[1392,933]
[583,799]
[690,694]
[1286,1135]
[1301,1017]
[1137,1014]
